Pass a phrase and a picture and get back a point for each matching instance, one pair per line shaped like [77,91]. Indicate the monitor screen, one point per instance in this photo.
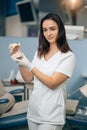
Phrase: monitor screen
[27,12]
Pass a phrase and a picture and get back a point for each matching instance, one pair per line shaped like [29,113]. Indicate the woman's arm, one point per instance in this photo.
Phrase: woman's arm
[26,74]
[63,72]
[50,81]
[58,77]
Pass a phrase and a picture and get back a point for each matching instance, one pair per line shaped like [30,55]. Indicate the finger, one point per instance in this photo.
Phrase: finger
[13,48]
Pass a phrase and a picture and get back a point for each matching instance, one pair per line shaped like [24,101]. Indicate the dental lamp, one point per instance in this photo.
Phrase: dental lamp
[73,6]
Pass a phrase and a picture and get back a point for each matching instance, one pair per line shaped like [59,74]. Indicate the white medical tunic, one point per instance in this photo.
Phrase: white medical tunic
[48,105]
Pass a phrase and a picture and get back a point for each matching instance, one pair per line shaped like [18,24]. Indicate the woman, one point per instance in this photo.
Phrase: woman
[51,68]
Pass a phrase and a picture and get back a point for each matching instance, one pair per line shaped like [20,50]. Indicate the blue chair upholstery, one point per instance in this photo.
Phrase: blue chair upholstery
[13,121]
[14,118]
[78,121]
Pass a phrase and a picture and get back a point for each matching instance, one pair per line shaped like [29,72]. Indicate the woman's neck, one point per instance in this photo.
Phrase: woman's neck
[53,48]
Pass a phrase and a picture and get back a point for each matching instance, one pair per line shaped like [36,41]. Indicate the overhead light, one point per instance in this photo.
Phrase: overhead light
[72,5]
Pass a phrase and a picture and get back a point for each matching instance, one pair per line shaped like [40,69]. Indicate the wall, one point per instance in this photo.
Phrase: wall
[15,28]
[82,19]
[80,51]
[29,46]
[55,6]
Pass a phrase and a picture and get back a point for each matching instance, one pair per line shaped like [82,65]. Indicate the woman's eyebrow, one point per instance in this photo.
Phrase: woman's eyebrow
[49,27]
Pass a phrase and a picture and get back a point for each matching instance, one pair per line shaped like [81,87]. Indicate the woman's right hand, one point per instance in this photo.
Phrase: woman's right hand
[14,48]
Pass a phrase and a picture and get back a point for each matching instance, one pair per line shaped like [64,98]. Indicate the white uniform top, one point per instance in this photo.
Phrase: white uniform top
[48,105]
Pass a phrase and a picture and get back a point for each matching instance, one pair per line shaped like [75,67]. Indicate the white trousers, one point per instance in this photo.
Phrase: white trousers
[43,126]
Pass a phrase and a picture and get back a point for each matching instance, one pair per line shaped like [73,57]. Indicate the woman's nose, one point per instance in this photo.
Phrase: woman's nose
[48,32]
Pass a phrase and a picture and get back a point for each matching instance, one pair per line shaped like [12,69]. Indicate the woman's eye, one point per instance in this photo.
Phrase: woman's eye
[50,29]
[53,29]
[44,30]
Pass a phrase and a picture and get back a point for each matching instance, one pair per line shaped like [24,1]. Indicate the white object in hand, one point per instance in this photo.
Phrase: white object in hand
[22,61]
[14,48]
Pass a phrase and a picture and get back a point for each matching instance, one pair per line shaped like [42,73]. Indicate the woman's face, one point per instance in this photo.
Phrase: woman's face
[50,30]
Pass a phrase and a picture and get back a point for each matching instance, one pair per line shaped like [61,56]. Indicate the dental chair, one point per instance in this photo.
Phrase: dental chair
[78,119]
[12,113]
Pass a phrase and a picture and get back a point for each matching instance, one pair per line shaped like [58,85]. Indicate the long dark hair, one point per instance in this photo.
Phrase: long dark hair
[61,41]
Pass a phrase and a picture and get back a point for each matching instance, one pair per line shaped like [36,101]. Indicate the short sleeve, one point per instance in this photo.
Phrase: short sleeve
[67,65]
